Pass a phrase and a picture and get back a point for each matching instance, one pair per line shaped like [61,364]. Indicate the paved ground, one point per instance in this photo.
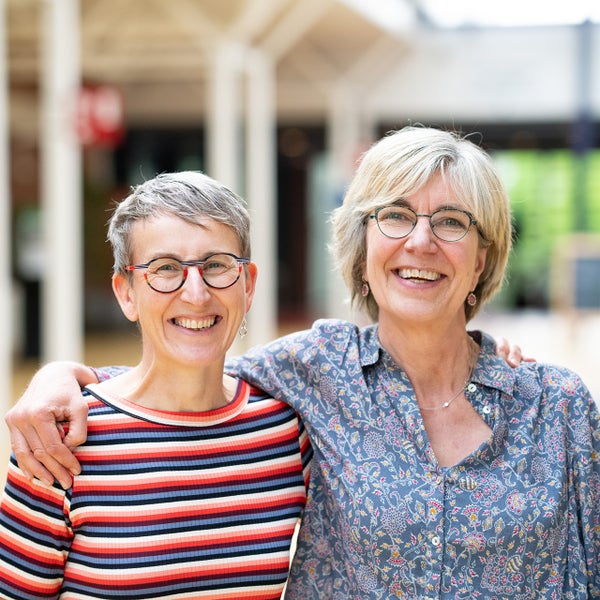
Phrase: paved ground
[572,341]
[565,339]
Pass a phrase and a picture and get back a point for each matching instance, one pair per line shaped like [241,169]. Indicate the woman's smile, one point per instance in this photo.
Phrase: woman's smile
[418,275]
[196,324]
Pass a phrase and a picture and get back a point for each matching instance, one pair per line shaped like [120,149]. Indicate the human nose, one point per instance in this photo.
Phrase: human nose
[422,233]
[194,284]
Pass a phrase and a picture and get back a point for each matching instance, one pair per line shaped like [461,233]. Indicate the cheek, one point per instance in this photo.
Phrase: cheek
[376,252]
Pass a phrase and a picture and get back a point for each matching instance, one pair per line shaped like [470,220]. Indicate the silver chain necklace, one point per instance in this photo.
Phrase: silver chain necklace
[473,362]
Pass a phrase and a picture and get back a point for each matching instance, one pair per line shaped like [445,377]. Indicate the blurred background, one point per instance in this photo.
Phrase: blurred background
[278,99]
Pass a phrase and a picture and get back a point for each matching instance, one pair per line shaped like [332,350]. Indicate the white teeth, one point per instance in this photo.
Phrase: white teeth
[419,274]
[194,324]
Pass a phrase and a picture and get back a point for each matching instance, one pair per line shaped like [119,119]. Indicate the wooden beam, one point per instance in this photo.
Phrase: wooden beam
[293,26]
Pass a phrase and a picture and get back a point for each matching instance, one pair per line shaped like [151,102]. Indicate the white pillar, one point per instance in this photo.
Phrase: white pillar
[6,286]
[61,188]
[226,155]
[223,130]
[223,146]
[260,190]
[344,138]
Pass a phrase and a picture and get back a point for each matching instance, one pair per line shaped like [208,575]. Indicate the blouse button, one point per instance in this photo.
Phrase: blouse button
[435,540]
[487,410]
[468,483]
[471,387]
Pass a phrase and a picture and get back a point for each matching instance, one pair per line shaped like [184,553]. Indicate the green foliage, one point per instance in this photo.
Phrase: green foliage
[553,193]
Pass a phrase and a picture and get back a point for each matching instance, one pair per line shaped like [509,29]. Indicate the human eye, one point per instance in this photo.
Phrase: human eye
[396,215]
[219,263]
[451,220]
[165,267]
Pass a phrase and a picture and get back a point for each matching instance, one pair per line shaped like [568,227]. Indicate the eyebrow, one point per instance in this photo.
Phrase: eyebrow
[403,203]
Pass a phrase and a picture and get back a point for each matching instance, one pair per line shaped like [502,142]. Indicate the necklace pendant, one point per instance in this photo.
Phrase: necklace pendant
[446,405]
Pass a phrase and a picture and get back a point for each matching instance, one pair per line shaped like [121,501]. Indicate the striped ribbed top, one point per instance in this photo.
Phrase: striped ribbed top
[168,505]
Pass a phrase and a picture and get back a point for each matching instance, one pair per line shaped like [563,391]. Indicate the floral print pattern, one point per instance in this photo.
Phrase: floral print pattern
[519,518]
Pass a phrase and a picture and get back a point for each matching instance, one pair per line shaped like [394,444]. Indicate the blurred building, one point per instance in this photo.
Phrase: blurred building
[278,98]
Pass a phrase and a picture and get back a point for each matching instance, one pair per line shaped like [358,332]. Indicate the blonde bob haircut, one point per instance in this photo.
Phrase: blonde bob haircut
[399,165]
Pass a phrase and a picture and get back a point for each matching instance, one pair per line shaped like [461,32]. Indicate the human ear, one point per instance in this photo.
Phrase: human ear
[250,283]
[479,265]
[125,295]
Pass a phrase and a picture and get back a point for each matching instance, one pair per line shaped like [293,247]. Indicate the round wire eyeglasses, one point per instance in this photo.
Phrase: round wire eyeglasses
[167,274]
[447,224]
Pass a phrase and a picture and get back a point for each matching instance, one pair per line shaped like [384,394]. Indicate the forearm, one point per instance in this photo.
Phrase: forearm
[82,373]
[275,369]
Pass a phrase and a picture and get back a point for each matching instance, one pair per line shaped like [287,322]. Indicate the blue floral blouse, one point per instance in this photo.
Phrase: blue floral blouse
[519,518]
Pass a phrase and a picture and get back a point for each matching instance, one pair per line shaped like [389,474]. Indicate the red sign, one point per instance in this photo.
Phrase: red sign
[100,116]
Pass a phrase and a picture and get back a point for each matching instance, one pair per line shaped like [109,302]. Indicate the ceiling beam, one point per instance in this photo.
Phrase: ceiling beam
[293,26]
[254,19]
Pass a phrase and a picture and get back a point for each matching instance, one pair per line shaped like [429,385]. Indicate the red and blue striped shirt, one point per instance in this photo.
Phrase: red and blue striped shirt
[168,505]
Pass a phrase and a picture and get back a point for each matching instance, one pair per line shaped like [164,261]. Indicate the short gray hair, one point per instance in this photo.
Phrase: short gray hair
[189,195]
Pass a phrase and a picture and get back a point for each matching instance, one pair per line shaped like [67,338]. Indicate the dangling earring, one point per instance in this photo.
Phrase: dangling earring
[365,289]
[471,299]
[243,328]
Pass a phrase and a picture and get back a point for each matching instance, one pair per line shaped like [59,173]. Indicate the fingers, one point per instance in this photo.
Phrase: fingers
[53,452]
[511,353]
[52,397]
[25,458]
[77,433]
[502,348]
[515,356]
[38,446]
[35,461]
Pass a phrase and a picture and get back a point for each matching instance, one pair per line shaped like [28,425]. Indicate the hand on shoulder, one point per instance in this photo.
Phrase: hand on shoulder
[52,397]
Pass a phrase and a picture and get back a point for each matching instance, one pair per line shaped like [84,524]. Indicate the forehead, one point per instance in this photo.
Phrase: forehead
[436,193]
[171,234]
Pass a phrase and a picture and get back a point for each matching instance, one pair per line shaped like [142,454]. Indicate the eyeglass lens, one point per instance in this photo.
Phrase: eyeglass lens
[169,274]
[447,224]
